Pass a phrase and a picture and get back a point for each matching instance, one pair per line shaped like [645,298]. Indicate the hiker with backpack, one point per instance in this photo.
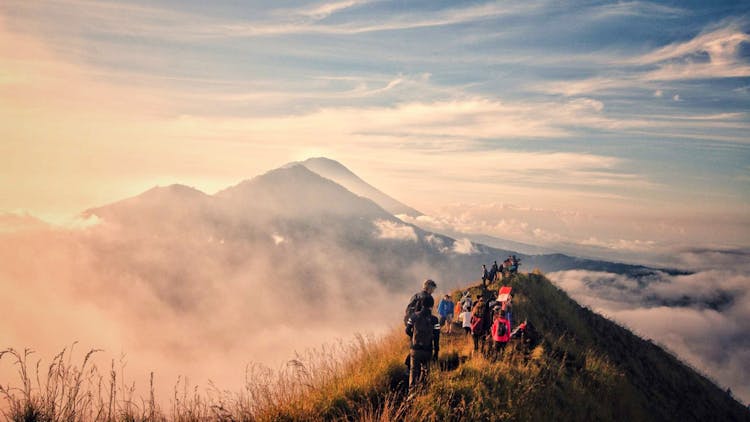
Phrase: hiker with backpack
[415,303]
[479,324]
[445,310]
[423,329]
[500,332]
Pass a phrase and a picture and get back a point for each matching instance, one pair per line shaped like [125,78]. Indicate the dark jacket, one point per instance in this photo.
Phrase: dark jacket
[415,304]
[435,330]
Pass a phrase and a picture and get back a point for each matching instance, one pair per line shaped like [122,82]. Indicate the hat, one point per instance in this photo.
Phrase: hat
[429,283]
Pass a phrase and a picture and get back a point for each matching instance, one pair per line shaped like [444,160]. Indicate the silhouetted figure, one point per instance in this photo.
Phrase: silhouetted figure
[423,329]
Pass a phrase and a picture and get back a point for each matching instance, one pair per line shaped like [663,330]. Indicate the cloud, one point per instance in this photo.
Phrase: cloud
[386,229]
[277,239]
[437,243]
[464,246]
[167,24]
[702,317]
[324,10]
[658,93]
[676,97]
[20,221]
[720,44]
[179,304]
[621,244]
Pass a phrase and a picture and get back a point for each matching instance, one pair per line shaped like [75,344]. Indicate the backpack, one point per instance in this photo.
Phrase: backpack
[421,338]
[501,329]
[414,306]
[476,325]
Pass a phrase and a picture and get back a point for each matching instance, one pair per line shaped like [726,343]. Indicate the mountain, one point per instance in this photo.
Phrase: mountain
[337,172]
[292,245]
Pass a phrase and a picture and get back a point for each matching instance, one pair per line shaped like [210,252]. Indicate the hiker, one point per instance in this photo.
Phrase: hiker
[493,271]
[466,320]
[479,323]
[485,275]
[500,332]
[514,263]
[415,303]
[466,303]
[424,330]
[445,310]
[507,307]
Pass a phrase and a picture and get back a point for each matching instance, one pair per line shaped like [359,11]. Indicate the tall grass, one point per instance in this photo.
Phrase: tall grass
[360,379]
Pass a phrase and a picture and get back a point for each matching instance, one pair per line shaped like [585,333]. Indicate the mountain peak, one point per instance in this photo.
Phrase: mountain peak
[334,170]
[295,190]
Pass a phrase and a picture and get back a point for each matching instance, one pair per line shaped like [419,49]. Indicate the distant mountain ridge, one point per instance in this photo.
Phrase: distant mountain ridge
[295,192]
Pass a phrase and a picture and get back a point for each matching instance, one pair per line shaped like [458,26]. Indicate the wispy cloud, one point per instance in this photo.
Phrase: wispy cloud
[324,10]
[712,54]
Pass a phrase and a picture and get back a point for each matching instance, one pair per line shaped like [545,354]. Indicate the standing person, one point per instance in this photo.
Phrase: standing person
[424,330]
[507,306]
[445,310]
[415,303]
[500,333]
[466,320]
[466,302]
[494,271]
[479,324]
[485,275]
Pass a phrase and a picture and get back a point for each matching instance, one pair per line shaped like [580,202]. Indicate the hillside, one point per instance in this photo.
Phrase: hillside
[584,368]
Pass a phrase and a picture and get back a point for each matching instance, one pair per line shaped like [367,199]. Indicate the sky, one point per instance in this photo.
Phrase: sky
[607,127]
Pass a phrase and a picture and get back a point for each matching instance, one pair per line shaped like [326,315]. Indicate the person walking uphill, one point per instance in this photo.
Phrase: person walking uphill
[424,330]
[415,303]
[445,310]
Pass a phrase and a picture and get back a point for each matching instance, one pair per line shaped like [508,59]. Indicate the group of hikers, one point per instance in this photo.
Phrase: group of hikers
[506,269]
[487,318]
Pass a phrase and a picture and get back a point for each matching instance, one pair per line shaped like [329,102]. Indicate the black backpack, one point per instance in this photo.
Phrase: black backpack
[502,329]
[414,306]
[421,338]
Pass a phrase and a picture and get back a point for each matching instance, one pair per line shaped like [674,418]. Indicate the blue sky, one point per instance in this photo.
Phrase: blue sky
[631,116]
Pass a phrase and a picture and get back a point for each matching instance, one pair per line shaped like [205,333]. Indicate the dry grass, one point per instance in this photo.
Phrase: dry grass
[340,381]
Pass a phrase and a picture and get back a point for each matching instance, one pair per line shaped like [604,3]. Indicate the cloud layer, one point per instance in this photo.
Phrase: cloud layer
[704,318]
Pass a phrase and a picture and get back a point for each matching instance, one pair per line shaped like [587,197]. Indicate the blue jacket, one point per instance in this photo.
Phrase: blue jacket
[445,307]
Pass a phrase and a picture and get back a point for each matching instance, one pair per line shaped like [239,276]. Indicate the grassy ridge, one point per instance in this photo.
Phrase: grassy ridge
[585,368]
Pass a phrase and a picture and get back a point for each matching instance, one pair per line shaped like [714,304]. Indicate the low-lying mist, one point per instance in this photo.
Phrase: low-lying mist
[186,304]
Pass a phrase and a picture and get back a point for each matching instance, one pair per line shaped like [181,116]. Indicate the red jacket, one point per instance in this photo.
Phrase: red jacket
[495,325]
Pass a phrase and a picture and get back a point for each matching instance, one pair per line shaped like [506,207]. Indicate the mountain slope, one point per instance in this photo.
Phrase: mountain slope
[337,172]
[583,367]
